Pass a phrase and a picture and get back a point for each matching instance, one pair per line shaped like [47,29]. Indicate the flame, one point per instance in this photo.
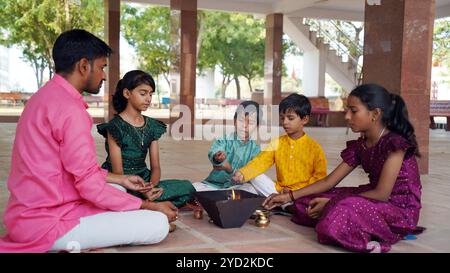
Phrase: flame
[235,196]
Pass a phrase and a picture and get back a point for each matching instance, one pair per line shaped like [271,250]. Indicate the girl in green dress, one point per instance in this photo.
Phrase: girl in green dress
[130,135]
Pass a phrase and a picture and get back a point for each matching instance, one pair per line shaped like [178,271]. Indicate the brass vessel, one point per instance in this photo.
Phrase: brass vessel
[262,218]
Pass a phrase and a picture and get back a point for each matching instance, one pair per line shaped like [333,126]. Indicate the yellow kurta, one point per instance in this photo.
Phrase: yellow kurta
[299,163]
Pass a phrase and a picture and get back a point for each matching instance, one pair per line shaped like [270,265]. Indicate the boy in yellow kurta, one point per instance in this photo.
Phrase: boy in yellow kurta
[299,160]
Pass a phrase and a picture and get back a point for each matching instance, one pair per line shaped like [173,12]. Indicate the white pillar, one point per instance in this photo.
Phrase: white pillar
[205,84]
[314,68]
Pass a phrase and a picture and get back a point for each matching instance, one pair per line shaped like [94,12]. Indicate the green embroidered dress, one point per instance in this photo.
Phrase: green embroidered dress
[134,143]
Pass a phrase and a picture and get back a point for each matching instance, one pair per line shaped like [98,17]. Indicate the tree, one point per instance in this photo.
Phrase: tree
[212,51]
[148,31]
[235,43]
[251,58]
[441,42]
[34,25]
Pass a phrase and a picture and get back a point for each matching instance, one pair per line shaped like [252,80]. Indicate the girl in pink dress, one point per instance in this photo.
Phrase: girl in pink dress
[386,209]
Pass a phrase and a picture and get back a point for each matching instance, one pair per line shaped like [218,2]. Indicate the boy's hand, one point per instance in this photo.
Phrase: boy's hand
[316,206]
[238,177]
[220,156]
[225,166]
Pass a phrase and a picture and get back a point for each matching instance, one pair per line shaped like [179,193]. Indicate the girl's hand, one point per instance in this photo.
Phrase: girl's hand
[154,193]
[316,206]
[275,200]
[238,177]
[220,156]
[135,183]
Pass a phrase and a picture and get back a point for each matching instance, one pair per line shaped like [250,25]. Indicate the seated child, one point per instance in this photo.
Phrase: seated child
[385,210]
[233,151]
[299,160]
[131,135]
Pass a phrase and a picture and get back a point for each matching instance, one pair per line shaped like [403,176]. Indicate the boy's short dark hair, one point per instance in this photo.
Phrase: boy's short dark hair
[249,107]
[74,45]
[297,103]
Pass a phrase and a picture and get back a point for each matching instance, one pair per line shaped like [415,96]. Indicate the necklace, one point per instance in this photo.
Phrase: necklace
[379,136]
[378,139]
[137,131]
[373,147]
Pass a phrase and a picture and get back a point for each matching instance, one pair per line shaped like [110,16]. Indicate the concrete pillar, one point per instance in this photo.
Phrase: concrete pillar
[314,69]
[397,55]
[273,59]
[205,84]
[184,57]
[112,37]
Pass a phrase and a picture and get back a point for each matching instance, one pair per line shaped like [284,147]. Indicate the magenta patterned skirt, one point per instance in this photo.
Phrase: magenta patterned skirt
[354,222]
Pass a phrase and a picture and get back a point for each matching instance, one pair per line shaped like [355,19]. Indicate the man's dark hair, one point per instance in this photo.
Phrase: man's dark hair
[297,103]
[249,107]
[73,45]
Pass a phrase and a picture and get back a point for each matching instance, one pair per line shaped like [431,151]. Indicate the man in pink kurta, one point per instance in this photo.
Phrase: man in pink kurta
[55,179]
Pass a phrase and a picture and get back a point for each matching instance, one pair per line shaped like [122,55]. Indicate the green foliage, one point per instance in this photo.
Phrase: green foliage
[235,43]
[441,42]
[34,25]
[148,31]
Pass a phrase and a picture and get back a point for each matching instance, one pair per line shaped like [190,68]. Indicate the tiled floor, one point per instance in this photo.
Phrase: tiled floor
[187,159]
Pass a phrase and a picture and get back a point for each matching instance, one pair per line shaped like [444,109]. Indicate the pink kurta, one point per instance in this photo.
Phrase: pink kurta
[55,178]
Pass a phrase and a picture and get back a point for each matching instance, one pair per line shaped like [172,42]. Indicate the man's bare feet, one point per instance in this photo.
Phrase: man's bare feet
[196,207]
[172,227]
